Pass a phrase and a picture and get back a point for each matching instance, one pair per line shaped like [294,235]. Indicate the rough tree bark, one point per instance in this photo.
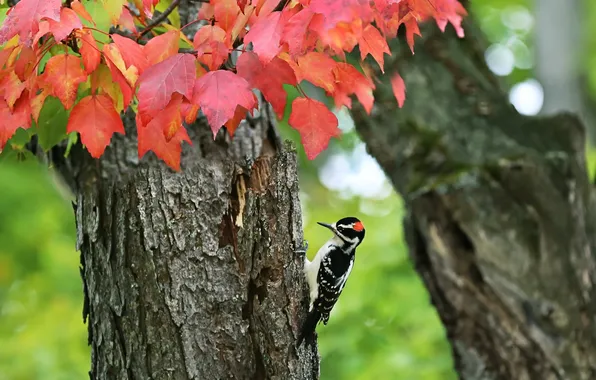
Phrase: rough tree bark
[192,275]
[500,212]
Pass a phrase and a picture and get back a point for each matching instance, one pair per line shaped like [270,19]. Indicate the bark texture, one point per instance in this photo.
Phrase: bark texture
[500,212]
[193,275]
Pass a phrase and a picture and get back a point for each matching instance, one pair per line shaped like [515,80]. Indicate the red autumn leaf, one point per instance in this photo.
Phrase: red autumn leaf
[373,43]
[297,33]
[160,81]
[10,121]
[161,47]
[69,21]
[81,11]
[96,119]
[265,36]
[399,88]
[89,51]
[336,11]
[225,12]
[316,124]
[151,137]
[64,73]
[218,93]
[351,81]
[132,53]
[268,79]
[212,48]
[317,68]
[23,19]
[449,11]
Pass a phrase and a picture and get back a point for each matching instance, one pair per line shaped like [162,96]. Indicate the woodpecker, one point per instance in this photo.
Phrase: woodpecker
[328,272]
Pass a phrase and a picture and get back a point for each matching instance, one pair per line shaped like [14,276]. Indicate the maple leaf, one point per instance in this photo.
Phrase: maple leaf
[351,81]
[81,11]
[212,48]
[336,11]
[23,19]
[96,120]
[132,53]
[118,76]
[160,81]
[265,36]
[373,43]
[225,12]
[218,93]
[11,120]
[399,89]
[127,21]
[315,123]
[89,52]
[234,122]
[11,88]
[63,72]
[103,83]
[161,47]
[151,137]
[317,68]
[114,9]
[297,33]
[68,22]
[268,79]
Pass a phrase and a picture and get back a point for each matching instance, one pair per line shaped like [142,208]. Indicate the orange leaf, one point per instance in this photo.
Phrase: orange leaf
[89,51]
[161,47]
[351,81]
[96,119]
[23,19]
[81,11]
[218,93]
[64,73]
[11,87]
[234,122]
[119,78]
[151,137]
[69,21]
[373,43]
[10,121]
[399,89]
[127,21]
[209,41]
[316,124]
[317,68]
[226,12]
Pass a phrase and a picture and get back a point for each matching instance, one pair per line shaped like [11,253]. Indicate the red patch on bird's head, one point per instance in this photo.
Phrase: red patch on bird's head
[358,226]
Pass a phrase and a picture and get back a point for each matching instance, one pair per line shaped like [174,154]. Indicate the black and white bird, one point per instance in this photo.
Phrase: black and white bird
[328,272]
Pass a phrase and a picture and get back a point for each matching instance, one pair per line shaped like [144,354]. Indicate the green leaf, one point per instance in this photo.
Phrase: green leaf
[174,17]
[73,137]
[51,126]
[101,18]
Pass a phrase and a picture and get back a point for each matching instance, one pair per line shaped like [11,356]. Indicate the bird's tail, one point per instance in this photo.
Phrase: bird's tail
[308,327]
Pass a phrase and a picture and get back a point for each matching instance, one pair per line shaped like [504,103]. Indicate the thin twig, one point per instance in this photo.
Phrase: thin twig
[159,19]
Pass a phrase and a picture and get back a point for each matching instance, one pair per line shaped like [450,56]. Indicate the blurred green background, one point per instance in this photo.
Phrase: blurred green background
[383,327]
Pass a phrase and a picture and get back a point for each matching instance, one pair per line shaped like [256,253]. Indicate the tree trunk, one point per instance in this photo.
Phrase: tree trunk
[500,212]
[192,275]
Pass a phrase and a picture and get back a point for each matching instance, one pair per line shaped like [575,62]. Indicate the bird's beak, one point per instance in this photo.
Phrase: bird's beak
[327,226]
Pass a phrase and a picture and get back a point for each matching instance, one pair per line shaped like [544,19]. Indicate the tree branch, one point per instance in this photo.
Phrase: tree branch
[159,19]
